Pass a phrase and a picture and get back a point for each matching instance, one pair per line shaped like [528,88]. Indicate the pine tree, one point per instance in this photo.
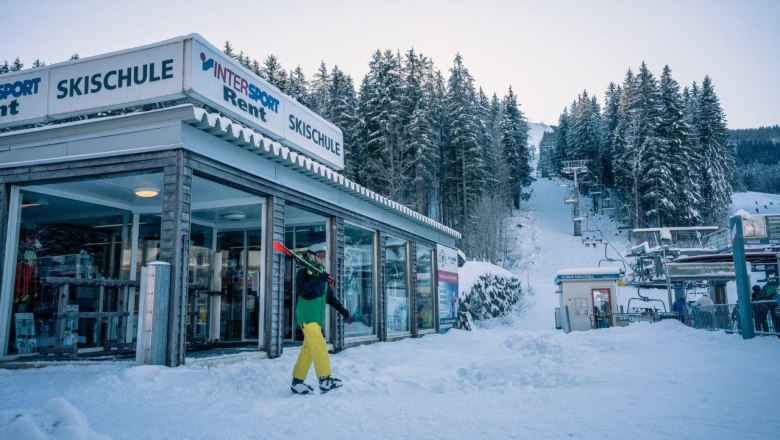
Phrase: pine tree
[560,150]
[623,139]
[228,50]
[441,127]
[609,127]
[378,111]
[650,171]
[318,94]
[464,163]
[343,107]
[17,65]
[297,87]
[674,130]
[514,138]
[273,72]
[38,63]
[584,136]
[419,134]
[716,154]
[5,67]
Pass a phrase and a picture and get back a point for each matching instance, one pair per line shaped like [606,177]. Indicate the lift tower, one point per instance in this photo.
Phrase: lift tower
[575,167]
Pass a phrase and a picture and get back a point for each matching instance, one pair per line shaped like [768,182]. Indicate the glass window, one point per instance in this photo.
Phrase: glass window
[225,266]
[424,301]
[396,286]
[359,292]
[73,278]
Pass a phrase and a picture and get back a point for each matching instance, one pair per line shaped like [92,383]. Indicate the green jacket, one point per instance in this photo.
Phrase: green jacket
[313,293]
[769,291]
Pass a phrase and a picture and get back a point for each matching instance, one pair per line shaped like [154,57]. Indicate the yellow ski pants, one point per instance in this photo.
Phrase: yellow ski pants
[314,349]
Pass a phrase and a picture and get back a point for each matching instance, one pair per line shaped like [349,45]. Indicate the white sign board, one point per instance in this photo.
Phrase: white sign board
[130,78]
[163,71]
[23,97]
[224,84]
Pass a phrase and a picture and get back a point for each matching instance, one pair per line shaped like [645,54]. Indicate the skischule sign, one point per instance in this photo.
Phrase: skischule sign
[183,66]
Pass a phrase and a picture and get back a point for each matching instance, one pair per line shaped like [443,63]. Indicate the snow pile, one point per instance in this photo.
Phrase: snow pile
[58,419]
[494,293]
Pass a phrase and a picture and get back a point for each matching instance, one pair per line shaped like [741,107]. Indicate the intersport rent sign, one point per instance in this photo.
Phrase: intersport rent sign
[183,66]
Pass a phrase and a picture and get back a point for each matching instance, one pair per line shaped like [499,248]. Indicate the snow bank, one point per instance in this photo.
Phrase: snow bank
[470,272]
[58,419]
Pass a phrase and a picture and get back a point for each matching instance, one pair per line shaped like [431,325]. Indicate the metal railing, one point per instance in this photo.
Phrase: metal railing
[765,314]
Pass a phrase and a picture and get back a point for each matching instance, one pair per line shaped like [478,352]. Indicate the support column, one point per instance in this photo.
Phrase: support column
[174,249]
[743,281]
[337,232]
[274,304]
[381,308]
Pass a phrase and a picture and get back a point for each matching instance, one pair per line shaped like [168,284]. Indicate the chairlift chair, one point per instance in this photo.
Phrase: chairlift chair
[591,236]
[646,299]
[611,260]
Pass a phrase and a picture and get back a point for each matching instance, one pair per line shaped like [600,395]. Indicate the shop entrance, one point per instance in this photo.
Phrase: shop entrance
[224,303]
[303,228]
[602,311]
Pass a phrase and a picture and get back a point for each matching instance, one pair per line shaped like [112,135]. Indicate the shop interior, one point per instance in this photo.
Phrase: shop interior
[80,249]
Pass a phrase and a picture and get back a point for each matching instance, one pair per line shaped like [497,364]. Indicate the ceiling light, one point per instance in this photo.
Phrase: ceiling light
[234,215]
[146,192]
[39,202]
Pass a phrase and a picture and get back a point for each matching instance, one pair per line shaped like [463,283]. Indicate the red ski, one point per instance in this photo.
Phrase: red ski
[286,251]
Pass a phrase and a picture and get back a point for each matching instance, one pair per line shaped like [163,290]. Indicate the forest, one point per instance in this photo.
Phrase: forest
[433,141]
[757,153]
[664,153]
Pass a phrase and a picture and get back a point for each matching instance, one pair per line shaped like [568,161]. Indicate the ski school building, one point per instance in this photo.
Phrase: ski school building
[141,192]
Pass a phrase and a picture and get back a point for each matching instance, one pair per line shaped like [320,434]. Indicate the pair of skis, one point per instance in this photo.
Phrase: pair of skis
[316,268]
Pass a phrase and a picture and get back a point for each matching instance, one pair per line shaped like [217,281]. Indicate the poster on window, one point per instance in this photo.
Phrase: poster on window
[25,333]
[447,275]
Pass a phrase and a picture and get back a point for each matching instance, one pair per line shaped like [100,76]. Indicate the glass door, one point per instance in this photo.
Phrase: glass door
[602,312]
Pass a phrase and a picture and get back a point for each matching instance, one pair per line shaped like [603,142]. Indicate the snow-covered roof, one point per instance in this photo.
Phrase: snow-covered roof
[261,145]
[588,273]
[257,143]
[677,229]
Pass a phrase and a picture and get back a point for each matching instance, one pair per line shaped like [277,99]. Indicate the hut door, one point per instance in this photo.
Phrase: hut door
[602,311]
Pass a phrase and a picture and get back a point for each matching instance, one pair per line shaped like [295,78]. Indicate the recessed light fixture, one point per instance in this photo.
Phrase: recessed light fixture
[146,192]
[39,202]
[234,215]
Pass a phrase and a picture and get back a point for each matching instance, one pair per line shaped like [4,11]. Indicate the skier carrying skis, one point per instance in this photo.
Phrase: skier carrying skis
[313,292]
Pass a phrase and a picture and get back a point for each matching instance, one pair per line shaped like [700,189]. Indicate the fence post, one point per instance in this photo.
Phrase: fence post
[743,282]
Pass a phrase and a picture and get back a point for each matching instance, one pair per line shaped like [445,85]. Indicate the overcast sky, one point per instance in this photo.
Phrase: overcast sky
[548,51]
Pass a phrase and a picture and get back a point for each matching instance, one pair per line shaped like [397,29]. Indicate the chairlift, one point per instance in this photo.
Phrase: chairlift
[611,260]
[591,236]
[646,299]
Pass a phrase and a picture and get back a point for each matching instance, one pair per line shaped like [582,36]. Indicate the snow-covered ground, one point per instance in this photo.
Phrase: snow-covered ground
[524,381]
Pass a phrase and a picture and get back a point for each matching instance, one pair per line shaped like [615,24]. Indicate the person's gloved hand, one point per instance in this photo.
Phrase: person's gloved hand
[349,319]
